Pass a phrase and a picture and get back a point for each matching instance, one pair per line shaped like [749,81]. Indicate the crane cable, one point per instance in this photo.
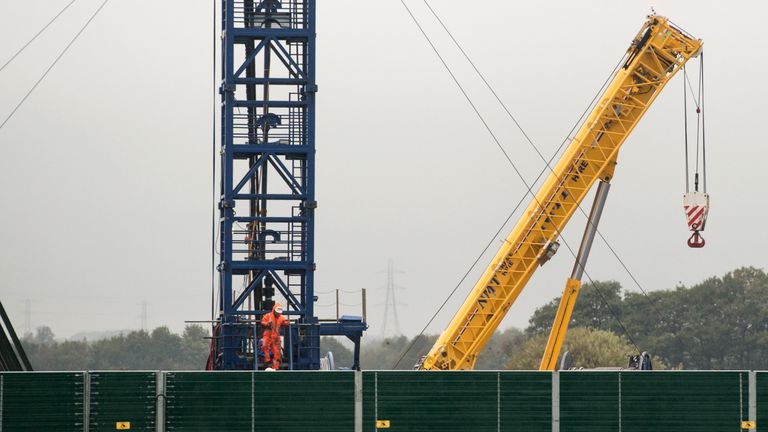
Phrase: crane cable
[528,187]
[703,129]
[685,127]
[535,148]
[701,148]
[55,61]
[36,35]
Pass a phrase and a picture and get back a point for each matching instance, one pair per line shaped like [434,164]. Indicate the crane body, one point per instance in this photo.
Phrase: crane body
[657,52]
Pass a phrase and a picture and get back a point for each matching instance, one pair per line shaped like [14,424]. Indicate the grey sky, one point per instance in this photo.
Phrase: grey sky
[105,172]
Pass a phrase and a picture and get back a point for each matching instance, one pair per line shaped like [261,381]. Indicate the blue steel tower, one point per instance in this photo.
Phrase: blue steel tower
[267,204]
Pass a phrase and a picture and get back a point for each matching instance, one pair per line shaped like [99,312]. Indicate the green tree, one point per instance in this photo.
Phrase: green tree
[590,348]
[195,347]
[342,356]
[136,350]
[501,348]
[720,323]
[595,308]
[386,353]
[44,336]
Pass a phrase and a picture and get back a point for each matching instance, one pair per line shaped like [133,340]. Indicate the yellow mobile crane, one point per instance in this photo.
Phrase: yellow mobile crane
[658,52]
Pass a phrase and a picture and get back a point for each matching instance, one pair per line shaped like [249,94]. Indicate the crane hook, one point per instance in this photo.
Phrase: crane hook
[696,240]
[696,206]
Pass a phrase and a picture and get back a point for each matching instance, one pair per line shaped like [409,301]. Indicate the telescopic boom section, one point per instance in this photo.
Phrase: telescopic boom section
[656,54]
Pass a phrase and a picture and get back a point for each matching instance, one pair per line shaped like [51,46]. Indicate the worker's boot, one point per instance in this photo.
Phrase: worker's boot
[276,363]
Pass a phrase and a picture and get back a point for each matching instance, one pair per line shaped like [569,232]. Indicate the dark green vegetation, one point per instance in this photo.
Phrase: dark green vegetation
[720,323]
[138,350]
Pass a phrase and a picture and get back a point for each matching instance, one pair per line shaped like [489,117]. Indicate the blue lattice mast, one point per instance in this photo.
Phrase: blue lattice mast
[267,206]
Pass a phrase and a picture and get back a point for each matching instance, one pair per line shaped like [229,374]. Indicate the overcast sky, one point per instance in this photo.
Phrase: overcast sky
[105,171]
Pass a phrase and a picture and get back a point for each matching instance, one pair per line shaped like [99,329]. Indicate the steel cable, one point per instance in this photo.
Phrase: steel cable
[533,145]
[36,35]
[61,54]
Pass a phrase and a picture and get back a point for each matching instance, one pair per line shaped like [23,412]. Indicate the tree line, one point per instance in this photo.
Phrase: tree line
[720,323]
[136,350]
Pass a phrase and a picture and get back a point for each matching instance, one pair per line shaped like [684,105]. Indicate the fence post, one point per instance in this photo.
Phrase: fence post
[160,401]
[358,401]
[86,401]
[555,401]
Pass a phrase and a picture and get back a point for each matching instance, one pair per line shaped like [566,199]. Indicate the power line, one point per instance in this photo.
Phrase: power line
[27,316]
[64,51]
[36,35]
[530,141]
[390,303]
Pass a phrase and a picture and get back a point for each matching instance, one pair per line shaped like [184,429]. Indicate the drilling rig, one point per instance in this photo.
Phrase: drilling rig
[267,199]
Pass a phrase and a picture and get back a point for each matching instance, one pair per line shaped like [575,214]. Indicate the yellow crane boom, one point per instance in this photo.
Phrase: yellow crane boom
[658,51]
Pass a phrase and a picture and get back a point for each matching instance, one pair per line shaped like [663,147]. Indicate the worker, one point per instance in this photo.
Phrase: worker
[271,345]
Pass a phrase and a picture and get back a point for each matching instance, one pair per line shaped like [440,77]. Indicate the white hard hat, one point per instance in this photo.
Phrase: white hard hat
[279,309]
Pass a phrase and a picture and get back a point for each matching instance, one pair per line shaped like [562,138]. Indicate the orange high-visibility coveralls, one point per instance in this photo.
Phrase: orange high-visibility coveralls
[270,338]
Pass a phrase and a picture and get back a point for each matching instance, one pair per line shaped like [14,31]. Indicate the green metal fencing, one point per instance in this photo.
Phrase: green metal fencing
[454,401]
[408,401]
[129,398]
[589,401]
[37,402]
[246,401]
[209,401]
[684,401]
[761,393]
[526,401]
[643,401]
[431,400]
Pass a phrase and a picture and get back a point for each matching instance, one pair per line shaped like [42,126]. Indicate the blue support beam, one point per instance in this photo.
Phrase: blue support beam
[267,203]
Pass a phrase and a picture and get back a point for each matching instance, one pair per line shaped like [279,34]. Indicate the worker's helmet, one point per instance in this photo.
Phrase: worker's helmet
[279,309]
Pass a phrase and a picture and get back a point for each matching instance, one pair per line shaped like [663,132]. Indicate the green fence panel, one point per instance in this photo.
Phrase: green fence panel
[589,401]
[245,401]
[525,401]
[432,401]
[209,401]
[761,393]
[684,401]
[369,411]
[40,402]
[480,401]
[123,397]
[305,401]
